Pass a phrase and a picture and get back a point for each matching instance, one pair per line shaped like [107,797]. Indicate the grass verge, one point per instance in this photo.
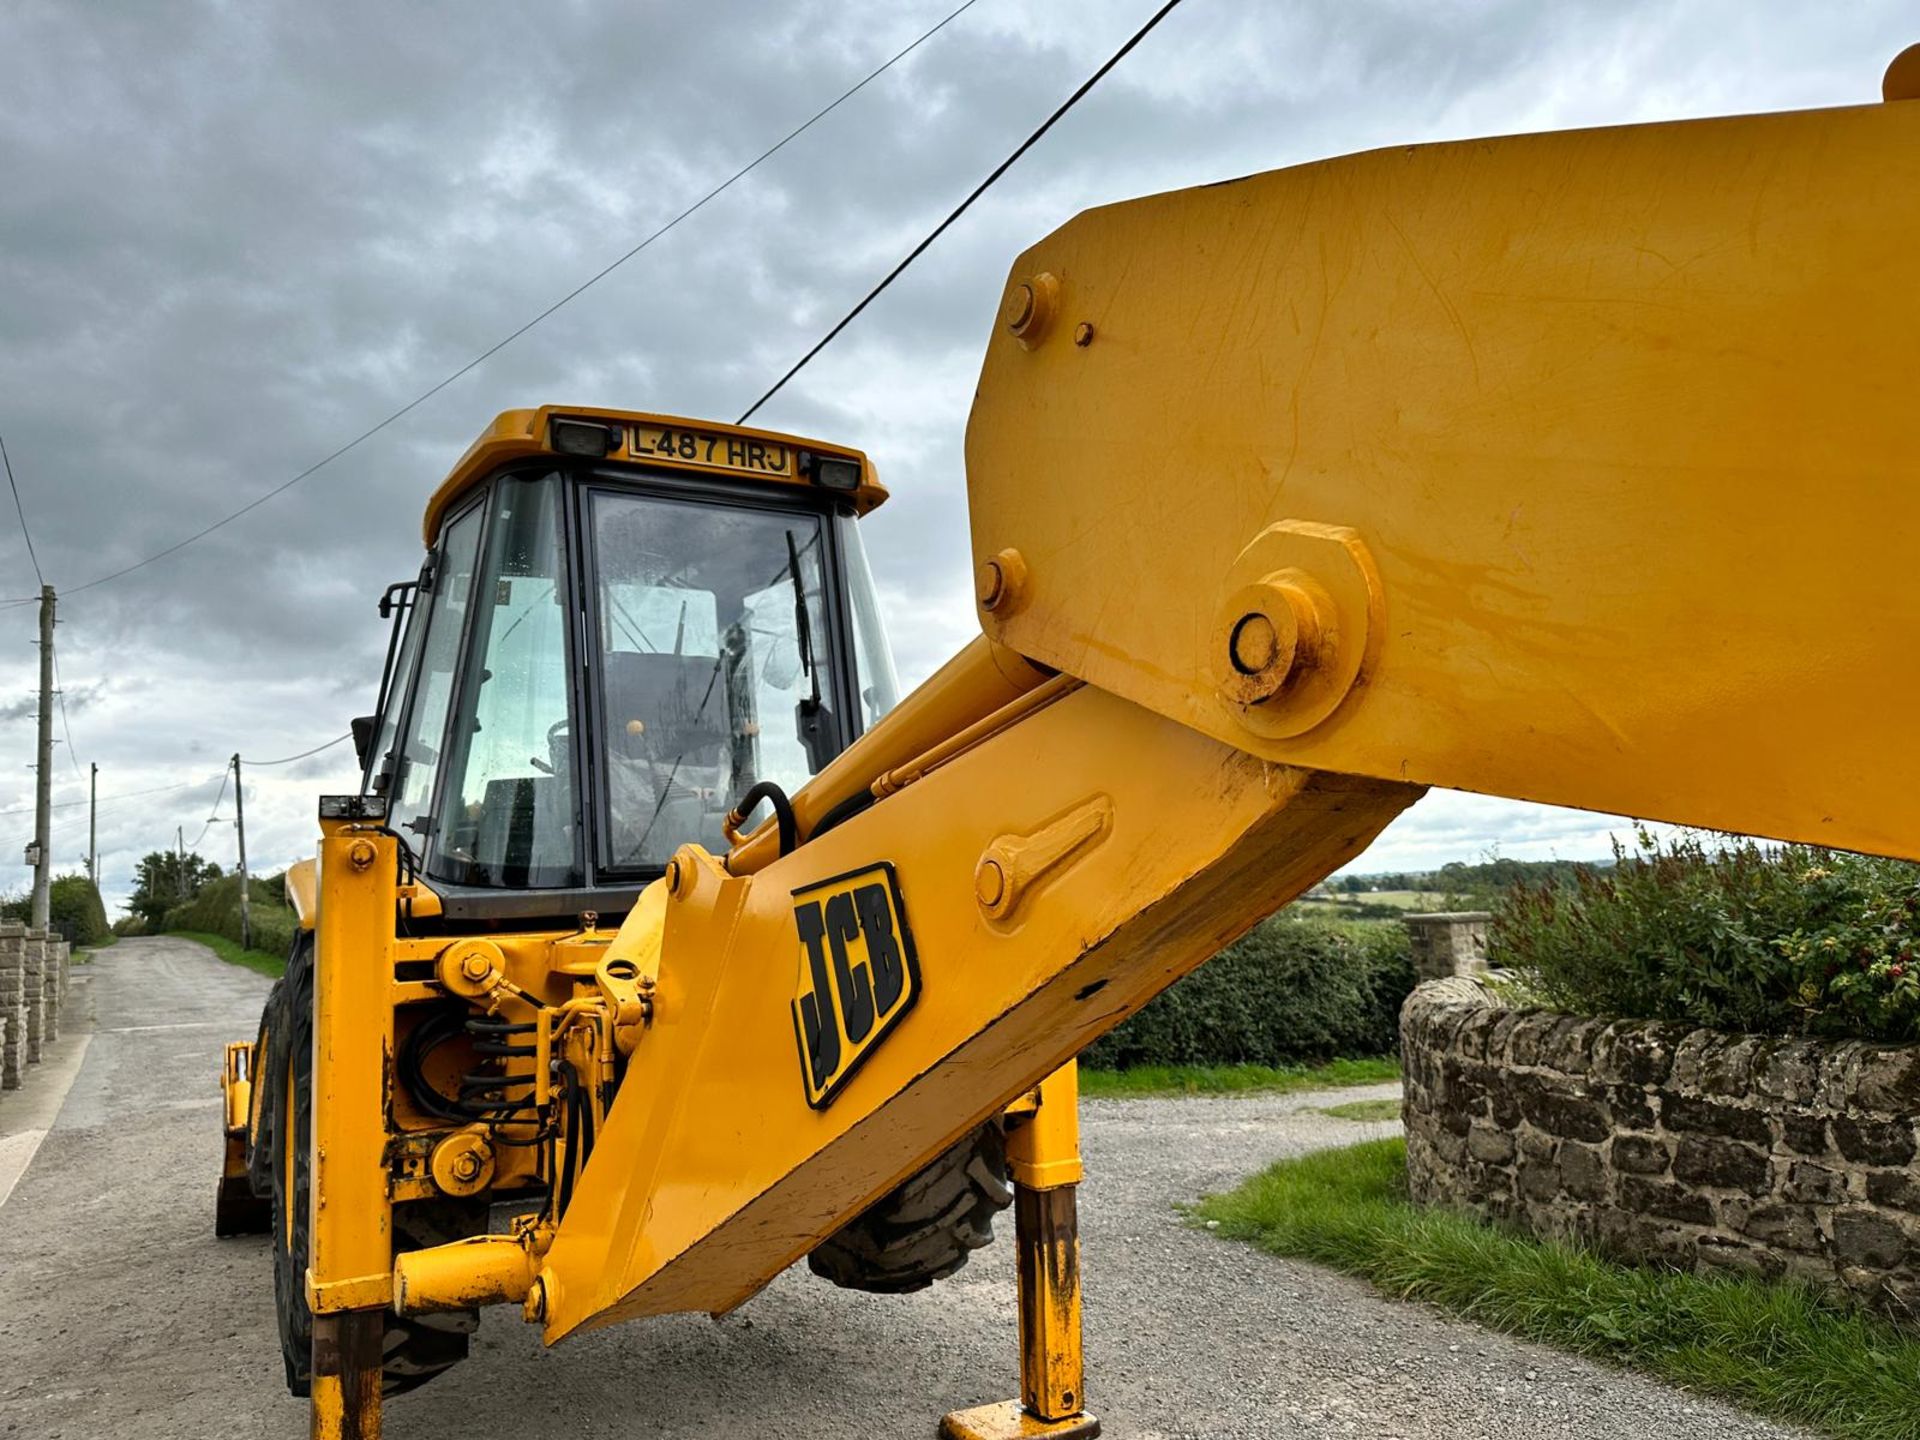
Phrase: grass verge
[1367,1112]
[1778,1349]
[273,966]
[1234,1079]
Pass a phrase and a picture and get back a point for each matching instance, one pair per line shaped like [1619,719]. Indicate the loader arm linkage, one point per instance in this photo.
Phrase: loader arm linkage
[1572,467]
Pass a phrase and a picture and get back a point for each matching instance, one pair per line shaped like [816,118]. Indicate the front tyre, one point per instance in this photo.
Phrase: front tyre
[416,1349]
[925,1228]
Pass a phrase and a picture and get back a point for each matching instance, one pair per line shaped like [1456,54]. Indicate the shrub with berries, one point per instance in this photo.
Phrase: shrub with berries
[1726,933]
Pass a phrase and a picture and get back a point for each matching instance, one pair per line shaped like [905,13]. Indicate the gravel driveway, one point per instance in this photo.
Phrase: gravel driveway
[122,1317]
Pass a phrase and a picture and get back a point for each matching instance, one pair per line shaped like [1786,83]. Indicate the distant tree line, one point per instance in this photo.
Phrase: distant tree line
[164,880]
[1480,883]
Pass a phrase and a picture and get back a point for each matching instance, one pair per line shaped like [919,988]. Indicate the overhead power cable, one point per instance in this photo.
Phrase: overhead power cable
[225,775]
[25,533]
[60,693]
[962,208]
[570,296]
[256,764]
[109,799]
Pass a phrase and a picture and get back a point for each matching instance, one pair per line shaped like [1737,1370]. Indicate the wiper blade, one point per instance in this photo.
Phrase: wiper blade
[802,624]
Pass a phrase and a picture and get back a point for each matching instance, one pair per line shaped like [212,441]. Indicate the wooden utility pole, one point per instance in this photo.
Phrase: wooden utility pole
[43,782]
[240,829]
[93,825]
[180,862]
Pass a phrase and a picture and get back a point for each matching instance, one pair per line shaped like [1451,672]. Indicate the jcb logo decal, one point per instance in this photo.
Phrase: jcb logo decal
[858,974]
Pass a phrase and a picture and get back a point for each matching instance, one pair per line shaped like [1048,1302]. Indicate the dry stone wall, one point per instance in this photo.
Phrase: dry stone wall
[34,972]
[1695,1148]
[13,1005]
[1448,942]
[36,944]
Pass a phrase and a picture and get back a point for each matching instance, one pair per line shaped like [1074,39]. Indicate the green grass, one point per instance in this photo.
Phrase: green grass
[1366,1111]
[1234,1079]
[230,951]
[1778,1349]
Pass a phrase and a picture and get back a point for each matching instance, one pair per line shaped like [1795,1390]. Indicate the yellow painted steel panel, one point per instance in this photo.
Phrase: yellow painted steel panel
[1625,419]
[714,1172]
[351,1261]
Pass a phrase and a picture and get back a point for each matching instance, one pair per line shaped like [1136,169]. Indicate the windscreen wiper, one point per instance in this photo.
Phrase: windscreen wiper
[810,716]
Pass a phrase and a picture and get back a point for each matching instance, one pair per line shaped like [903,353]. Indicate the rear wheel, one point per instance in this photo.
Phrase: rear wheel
[925,1229]
[269,1069]
[416,1348]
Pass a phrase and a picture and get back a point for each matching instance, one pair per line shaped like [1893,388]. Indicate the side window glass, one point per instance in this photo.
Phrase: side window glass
[510,819]
[381,757]
[446,610]
[872,656]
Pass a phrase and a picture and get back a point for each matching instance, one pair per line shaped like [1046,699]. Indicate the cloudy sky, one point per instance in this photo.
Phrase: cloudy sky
[234,235]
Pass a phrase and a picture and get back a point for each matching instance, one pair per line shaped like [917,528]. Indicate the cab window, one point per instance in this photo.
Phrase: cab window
[446,612]
[716,665]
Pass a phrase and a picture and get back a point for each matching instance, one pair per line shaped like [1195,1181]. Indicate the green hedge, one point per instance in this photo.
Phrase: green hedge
[216,911]
[1290,992]
[1725,933]
[73,909]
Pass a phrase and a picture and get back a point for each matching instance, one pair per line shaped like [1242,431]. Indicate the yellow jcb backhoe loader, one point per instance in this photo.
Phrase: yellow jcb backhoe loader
[1583,468]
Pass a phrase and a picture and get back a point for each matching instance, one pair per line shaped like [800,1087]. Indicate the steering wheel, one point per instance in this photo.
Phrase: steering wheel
[556,750]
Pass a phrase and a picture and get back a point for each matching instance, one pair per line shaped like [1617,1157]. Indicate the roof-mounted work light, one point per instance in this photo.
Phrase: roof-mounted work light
[581,437]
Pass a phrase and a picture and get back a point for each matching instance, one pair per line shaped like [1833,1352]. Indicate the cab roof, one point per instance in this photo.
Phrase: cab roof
[668,442]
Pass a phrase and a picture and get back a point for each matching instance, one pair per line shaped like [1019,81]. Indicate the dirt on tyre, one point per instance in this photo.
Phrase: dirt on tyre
[416,1348]
[925,1228]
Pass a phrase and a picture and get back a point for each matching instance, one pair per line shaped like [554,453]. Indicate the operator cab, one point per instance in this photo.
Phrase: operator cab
[623,624]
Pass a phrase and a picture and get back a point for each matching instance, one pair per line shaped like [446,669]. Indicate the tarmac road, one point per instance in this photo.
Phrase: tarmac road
[122,1318]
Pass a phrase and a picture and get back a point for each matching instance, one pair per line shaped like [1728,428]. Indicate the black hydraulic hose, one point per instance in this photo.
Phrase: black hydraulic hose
[782,812]
[848,808]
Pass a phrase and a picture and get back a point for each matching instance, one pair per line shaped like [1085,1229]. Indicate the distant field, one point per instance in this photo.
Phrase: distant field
[1415,900]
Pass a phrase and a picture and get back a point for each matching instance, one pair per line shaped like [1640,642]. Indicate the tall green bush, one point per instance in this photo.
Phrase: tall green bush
[216,911]
[1289,992]
[74,909]
[1724,933]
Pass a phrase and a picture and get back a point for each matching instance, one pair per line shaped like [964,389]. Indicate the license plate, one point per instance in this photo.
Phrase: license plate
[858,975]
[685,446]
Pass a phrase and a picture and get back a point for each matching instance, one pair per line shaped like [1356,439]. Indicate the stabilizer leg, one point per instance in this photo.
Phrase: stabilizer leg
[346,1374]
[1044,1152]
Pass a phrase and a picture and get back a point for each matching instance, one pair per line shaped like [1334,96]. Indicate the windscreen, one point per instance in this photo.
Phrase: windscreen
[714,667]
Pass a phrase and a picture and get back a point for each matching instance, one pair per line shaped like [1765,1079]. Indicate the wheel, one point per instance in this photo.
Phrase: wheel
[416,1348]
[269,1068]
[925,1229]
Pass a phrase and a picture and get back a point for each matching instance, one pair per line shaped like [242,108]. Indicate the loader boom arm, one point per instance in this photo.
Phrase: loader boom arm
[1624,418]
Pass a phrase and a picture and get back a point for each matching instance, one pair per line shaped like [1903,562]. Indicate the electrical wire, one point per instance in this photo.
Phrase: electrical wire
[962,208]
[60,692]
[25,533]
[566,299]
[225,775]
[301,756]
[109,799]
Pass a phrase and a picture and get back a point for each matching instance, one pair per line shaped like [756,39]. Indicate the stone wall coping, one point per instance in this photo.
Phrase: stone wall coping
[12,930]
